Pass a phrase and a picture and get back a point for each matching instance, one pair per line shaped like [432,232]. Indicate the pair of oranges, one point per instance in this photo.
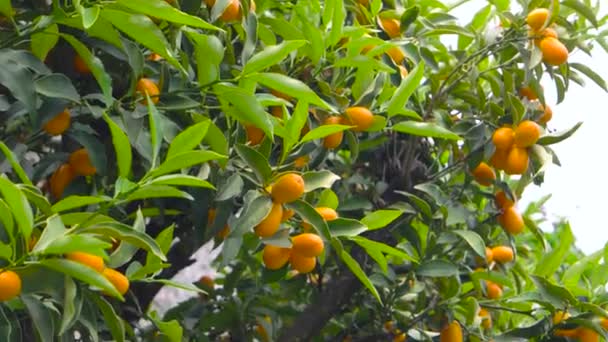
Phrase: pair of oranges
[119,280]
[553,51]
[286,189]
[302,256]
[360,118]
[79,164]
[500,254]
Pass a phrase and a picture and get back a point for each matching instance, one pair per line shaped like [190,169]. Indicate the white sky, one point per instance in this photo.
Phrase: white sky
[577,187]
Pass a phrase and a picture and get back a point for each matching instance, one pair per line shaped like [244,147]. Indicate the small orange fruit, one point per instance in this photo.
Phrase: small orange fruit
[275,257]
[301,161]
[80,66]
[401,337]
[528,93]
[526,134]
[360,117]
[489,255]
[254,134]
[537,18]
[328,214]
[388,326]
[93,261]
[392,27]
[572,333]
[502,201]
[548,32]
[604,323]
[223,232]
[560,316]
[81,163]
[517,161]
[493,290]
[287,214]
[503,138]
[60,179]
[277,112]
[10,285]
[486,318]
[301,263]
[232,12]
[288,188]
[396,54]
[512,221]
[120,282]
[451,333]
[503,254]
[333,140]
[59,124]
[147,86]
[499,159]
[484,174]
[547,115]
[587,335]
[207,281]
[271,223]
[307,244]
[554,52]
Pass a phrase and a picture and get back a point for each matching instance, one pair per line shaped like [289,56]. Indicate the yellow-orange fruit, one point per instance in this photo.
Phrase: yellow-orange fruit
[560,316]
[499,159]
[526,134]
[271,223]
[288,188]
[451,333]
[301,161]
[80,66]
[493,290]
[232,12]
[307,244]
[484,174]
[154,57]
[587,335]
[486,318]
[572,333]
[81,163]
[120,282]
[392,27]
[537,18]
[328,214]
[207,281]
[512,221]
[59,124]
[147,86]
[401,337]
[547,115]
[528,93]
[333,140]
[277,112]
[301,263]
[604,323]
[517,161]
[396,54]
[388,326]
[60,179]
[503,254]
[502,201]
[546,33]
[10,285]
[254,134]
[503,138]
[554,52]
[93,261]
[360,117]
[275,257]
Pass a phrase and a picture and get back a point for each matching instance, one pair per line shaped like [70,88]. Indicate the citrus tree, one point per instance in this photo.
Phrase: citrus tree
[359,162]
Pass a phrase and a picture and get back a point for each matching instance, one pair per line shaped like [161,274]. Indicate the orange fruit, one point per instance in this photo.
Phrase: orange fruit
[396,54]
[93,261]
[484,174]
[232,12]
[604,323]
[287,214]
[254,134]
[81,163]
[301,263]
[499,159]
[301,161]
[271,223]
[526,134]
[59,124]
[275,257]
[560,316]
[392,27]
[288,188]
[154,57]
[277,111]
[517,161]
[120,282]
[223,232]
[512,221]
[545,33]
[554,52]
[486,318]
[451,333]
[502,201]
[547,115]
[403,71]
[60,179]
[489,255]
[503,254]
[207,281]
[333,140]
[307,244]
[537,18]
[493,290]
[503,138]
[147,86]
[572,333]
[360,117]
[528,93]
[10,285]
[80,66]
[328,214]
[401,337]
[587,335]
[388,326]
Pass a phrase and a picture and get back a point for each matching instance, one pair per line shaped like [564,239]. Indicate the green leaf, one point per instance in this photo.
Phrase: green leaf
[95,65]
[590,73]
[10,156]
[157,191]
[44,41]
[319,179]
[111,318]
[328,199]
[36,198]
[449,29]
[57,85]
[354,266]
[557,295]
[557,137]
[188,139]
[182,161]
[310,215]
[437,269]
[19,205]
[172,329]
[41,317]
[122,147]
[425,129]
[6,218]
[231,188]
[75,201]
[253,214]
[181,180]
[156,134]
[368,244]
[80,272]
[582,9]
[54,228]
[89,16]
[551,261]
[408,17]
[175,284]
[271,55]
[255,160]
[125,251]
[572,276]
[209,53]
[337,22]
[6,9]
[346,227]
[294,126]
[76,243]
[70,307]
[163,10]
[380,218]
[474,240]
[407,87]
[290,86]
[323,131]
[247,109]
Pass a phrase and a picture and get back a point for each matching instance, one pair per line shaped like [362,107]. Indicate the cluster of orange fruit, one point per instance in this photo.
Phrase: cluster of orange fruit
[498,255]
[119,280]
[360,118]
[79,164]
[546,38]
[582,334]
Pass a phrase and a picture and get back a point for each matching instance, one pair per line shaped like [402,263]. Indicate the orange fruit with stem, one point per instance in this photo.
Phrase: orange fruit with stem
[537,18]
[288,188]
[484,174]
[528,93]
[119,280]
[493,290]
[333,140]
[58,124]
[545,33]
[554,52]
[10,285]
[147,86]
[93,261]
[512,221]
[275,257]
[547,115]
[270,224]
[517,161]
[81,163]
[307,244]
[207,281]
